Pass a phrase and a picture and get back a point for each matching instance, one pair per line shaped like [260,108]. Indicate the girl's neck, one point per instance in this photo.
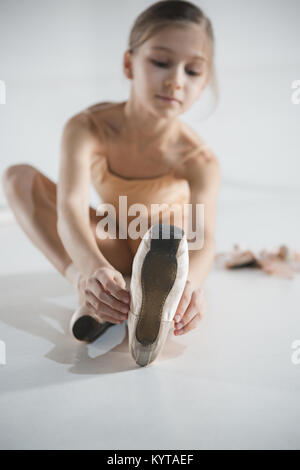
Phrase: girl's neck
[141,125]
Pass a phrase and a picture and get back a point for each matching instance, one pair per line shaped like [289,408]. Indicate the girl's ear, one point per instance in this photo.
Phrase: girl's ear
[127,62]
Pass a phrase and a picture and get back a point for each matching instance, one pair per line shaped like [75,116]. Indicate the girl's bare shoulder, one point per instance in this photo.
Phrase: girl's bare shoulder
[193,149]
[191,138]
[105,116]
[195,145]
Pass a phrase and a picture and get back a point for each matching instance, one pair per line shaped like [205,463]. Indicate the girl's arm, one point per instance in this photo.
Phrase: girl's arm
[204,177]
[79,143]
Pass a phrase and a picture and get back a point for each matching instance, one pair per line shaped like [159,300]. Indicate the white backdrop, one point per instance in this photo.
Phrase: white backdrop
[59,56]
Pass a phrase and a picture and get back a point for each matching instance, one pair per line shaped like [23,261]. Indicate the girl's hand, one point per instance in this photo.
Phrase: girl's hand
[190,309]
[105,293]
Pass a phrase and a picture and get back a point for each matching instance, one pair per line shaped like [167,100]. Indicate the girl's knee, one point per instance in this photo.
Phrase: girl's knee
[13,173]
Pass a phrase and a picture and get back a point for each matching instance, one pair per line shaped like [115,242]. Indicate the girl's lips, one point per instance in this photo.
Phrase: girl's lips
[171,100]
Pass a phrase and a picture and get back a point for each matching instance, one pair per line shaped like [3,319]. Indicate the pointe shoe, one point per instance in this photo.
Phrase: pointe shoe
[159,274]
[241,259]
[85,326]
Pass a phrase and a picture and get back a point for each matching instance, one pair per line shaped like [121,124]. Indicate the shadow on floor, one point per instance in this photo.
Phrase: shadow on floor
[35,303]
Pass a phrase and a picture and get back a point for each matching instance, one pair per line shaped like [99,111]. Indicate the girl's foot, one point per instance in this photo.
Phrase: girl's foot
[81,284]
[84,324]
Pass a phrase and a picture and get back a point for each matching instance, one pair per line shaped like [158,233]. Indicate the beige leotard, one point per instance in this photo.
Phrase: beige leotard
[168,190]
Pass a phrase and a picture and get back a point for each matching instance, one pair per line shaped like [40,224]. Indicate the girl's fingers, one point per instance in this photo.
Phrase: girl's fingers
[190,326]
[195,308]
[95,288]
[105,277]
[189,314]
[103,318]
[184,301]
[102,309]
[120,281]
[116,291]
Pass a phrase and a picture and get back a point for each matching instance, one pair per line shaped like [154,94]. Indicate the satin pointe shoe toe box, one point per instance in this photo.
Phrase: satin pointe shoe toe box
[85,326]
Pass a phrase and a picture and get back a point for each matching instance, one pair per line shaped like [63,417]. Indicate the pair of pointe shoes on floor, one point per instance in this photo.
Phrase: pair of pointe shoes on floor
[159,274]
[281,261]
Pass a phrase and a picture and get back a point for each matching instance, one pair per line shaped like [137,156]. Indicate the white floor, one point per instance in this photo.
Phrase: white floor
[230,384]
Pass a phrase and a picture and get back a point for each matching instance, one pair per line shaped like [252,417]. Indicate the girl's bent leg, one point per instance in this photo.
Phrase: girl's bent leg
[32,197]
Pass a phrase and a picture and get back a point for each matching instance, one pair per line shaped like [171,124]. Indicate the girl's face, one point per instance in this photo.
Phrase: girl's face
[171,63]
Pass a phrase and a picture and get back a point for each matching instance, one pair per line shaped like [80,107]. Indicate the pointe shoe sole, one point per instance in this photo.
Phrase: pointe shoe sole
[159,271]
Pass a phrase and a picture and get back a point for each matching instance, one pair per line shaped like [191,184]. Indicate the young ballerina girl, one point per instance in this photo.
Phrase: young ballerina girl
[139,149]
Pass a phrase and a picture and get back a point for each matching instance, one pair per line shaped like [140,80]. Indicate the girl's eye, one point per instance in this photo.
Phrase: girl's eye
[164,65]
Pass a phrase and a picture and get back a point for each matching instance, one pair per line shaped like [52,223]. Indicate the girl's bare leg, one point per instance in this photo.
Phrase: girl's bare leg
[32,197]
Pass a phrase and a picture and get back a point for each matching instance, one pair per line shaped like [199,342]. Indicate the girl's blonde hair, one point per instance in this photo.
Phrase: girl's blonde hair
[169,13]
